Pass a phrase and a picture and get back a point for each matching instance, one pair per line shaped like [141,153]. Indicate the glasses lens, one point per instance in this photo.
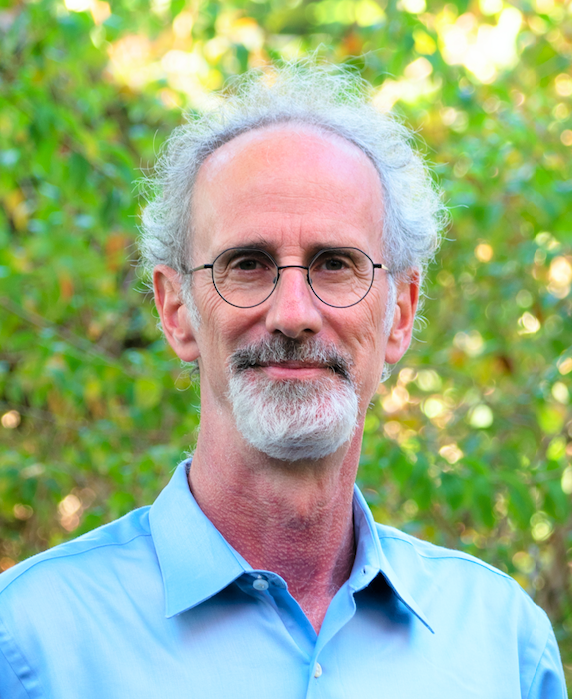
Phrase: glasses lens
[341,277]
[243,277]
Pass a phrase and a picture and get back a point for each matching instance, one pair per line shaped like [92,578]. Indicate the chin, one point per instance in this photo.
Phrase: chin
[294,419]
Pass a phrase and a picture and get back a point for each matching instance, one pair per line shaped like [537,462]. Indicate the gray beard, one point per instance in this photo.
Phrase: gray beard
[294,419]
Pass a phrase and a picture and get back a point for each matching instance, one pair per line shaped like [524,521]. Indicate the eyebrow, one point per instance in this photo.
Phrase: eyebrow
[262,243]
[257,242]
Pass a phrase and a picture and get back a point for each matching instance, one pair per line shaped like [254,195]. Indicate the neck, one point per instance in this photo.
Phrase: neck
[294,519]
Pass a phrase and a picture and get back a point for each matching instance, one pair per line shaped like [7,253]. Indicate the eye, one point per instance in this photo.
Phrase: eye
[333,264]
[247,264]
[243,263]
[332,261]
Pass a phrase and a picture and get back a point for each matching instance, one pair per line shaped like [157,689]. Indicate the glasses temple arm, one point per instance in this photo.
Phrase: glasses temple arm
[196,269]
[381,266]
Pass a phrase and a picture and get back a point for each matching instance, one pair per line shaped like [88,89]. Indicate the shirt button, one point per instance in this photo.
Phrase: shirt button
[260,584]
[318,670]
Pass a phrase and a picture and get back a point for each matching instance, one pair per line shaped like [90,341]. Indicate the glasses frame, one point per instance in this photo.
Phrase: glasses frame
[279,268]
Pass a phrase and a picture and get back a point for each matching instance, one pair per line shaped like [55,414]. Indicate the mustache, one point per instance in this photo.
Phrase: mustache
[279,349]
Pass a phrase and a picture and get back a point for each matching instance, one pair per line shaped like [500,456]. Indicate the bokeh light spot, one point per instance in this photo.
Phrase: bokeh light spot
[11,419]
[481,416]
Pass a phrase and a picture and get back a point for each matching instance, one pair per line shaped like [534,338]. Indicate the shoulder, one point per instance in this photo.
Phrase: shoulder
[82,555]
[445,576]
[421,559]
[56,606]
[399,545]
[487,613]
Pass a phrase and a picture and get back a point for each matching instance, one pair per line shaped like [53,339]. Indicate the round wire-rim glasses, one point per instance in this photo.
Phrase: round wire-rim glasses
[253,273]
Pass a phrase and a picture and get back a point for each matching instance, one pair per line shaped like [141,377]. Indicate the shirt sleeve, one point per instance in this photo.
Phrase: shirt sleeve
[549,682]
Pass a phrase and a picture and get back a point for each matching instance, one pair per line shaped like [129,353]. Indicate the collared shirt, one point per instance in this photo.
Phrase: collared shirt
[158,605]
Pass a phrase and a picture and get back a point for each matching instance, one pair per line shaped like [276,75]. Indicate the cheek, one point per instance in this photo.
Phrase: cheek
[365,335]
[211,309]
[371,361]
[223,327]
[209,304]
[366,321]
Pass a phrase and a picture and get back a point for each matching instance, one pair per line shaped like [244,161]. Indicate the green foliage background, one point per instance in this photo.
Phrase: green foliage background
[469,444]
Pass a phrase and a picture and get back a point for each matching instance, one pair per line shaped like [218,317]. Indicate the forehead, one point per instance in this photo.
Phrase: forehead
[282,179]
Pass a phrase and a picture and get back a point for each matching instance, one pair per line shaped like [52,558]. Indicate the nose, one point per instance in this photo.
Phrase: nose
[294,308]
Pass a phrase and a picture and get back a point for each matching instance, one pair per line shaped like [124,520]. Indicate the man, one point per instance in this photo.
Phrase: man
[289,237]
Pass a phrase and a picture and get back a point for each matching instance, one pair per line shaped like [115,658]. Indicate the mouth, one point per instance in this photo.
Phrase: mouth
[283,358]
[293,370]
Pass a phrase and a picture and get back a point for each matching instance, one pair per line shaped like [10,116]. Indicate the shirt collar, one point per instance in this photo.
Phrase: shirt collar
[197,562]
[371,558]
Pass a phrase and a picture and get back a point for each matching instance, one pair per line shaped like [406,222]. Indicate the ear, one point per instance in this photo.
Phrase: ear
[403,317]
[175,318]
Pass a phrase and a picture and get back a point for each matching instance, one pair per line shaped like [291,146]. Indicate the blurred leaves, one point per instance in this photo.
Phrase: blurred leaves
[470,443]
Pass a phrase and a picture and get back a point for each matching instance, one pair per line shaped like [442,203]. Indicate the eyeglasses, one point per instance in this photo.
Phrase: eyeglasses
[246,277]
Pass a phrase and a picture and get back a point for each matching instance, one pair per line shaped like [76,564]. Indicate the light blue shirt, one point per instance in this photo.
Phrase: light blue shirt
[158,605]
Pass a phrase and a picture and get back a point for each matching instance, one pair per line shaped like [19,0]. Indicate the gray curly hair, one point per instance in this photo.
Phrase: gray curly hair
[330,98]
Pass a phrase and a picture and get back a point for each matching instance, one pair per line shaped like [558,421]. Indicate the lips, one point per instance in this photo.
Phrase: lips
[294,365]
[294,370]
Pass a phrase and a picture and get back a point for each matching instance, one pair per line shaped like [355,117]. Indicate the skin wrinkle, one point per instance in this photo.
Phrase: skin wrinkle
[294,518]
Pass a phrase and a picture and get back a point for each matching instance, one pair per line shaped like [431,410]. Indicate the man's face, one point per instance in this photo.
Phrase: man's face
[292,191]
